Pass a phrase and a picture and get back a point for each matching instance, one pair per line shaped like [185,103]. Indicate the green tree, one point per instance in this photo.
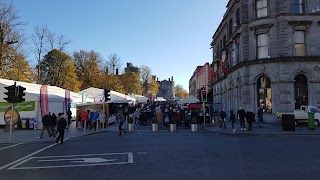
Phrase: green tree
[131,83]
[180,92]
[58,69]
[154,87]
[88,68]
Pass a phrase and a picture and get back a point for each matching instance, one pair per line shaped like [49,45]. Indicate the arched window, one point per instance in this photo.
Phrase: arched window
[264,93]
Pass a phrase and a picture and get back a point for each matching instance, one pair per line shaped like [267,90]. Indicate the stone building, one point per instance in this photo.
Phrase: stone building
[131,68]
[166,88]
[267,53]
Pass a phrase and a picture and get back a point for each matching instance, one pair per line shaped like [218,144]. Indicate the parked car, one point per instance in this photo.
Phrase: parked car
[301,115]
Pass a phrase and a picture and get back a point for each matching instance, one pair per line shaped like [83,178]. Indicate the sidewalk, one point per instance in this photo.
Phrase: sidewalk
[27,136]
[268,129]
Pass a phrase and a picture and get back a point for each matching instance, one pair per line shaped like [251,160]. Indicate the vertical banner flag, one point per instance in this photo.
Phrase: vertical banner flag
[44,99]
[67,99]
[84,96]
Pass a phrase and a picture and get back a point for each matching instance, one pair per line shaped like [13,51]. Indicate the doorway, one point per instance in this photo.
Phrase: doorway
[300,91]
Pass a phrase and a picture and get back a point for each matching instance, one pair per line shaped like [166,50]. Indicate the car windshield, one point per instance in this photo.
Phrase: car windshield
[315,110]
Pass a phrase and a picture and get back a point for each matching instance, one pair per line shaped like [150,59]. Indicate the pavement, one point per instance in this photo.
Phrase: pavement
[30,135]
[268,129]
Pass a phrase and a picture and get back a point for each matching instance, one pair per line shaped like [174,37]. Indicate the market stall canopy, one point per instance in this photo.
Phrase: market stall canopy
[141,99]
[190,99]
[98,96]
[33,91]
[160,99]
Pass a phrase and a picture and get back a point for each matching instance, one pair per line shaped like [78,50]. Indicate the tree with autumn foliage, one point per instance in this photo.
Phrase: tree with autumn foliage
[113,82]
[58,69]
[154,87]
[180,92]
[18,69]
[131,83]
[88,68]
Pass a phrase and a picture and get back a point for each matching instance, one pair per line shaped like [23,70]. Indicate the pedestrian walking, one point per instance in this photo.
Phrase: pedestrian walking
[232,120]
[62,123]
[223,116]
[102,119]
[69,116]
[46,123]
[94,120]
[121,120]
[260,116]
[53,124]
[241,115]
[250,118]
[137,114]
[84,117]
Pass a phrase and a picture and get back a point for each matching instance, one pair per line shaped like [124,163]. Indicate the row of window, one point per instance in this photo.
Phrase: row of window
[263,45]
[297,6]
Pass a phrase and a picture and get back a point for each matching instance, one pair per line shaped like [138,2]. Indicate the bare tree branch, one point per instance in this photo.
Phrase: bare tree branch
[114,62]
[62,42]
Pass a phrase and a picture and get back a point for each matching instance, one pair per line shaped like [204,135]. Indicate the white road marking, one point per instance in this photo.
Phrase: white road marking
[10,146]
[28,156]
[80,160]
[88,163]
[141,152]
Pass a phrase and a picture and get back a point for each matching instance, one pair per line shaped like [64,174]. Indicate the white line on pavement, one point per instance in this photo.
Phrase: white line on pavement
[10,146]
[28,156]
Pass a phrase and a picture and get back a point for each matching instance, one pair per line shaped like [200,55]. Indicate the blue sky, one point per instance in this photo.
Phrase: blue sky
[172,37]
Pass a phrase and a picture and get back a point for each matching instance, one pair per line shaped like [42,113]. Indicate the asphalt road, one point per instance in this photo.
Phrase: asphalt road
[165,155]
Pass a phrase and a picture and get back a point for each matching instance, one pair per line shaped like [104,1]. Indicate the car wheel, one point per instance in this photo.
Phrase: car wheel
[316,123]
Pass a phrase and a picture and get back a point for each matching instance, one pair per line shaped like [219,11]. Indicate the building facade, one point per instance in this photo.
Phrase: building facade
[266,53]
[202,76]
[166,88]
[131,68]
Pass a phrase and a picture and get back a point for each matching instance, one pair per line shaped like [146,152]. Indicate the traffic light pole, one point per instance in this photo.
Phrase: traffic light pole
[204,114]
[11,121]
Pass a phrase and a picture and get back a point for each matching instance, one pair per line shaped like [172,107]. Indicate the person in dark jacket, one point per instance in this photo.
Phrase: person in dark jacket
[53,124]
[232,120]
[260,116]
[62,123]
[121,120]
[241,115]
[250,118]
[223,116]
[46,123]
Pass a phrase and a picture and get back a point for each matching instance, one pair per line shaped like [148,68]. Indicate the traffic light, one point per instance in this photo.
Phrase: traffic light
[107,95]
[204,95]
[20,94]
[11,94]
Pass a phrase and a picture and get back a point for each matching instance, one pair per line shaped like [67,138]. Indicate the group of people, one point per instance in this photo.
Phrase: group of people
[243,117]
[90,119]
[54,124]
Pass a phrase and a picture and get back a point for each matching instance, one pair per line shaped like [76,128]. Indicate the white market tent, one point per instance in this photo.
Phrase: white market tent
[56,98]
[161,99]
[98,95]
[141,99]
[190,99]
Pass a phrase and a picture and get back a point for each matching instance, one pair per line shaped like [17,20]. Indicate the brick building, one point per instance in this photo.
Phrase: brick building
[201,77]
[267,53]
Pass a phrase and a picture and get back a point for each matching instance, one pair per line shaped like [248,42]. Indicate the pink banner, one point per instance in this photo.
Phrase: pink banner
[44,100]
[67,99]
